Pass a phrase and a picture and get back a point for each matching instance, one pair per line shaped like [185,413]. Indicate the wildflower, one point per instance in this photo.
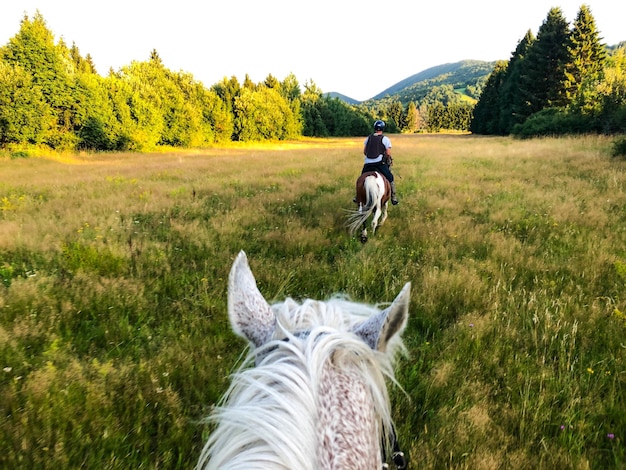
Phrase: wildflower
[610,435]
[7,369]
[590,370]
[562,427]
[471,325]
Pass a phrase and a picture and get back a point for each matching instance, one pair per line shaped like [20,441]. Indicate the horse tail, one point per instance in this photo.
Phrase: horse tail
[356,218]
[372,193]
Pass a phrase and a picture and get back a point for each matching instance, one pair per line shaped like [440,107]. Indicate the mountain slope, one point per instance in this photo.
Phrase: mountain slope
[345,98]
[458,75]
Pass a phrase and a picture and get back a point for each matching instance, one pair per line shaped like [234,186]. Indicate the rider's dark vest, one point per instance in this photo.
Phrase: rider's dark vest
[375,146]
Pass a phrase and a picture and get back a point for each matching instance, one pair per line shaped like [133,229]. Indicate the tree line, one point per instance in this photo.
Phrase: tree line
[51,95]
[562,81]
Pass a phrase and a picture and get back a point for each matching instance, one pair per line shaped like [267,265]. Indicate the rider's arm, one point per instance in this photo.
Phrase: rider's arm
[387,147]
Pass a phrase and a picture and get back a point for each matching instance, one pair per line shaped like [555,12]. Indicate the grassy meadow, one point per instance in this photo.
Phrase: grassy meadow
[114,338]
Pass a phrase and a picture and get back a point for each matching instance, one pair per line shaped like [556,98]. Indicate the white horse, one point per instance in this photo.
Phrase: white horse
[372,195]
[316,397]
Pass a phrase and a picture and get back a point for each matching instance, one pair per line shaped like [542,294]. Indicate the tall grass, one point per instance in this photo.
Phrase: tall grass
[114,339]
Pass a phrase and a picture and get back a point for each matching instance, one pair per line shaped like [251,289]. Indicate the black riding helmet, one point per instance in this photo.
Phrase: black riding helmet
[379,125]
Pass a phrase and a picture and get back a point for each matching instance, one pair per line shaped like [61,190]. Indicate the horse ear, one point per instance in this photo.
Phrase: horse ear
[378,330]
[250,315]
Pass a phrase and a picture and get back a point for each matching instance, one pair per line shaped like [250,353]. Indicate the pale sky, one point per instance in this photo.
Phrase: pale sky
[358,48]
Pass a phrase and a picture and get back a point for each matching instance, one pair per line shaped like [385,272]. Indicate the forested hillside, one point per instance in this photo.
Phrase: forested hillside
[441,97]
[467,75]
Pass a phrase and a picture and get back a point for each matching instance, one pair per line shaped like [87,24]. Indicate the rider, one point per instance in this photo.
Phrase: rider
[377,151]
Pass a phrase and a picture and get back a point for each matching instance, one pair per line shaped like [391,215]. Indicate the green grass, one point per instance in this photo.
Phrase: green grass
[114,338]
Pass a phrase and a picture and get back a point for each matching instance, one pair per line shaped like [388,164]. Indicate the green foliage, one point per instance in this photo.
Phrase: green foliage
[566,71]
[437,86]
[34,50]
[25,117]
[588,56]
[93,136]
[290,88]
[410,119]
[52,95]
[544,82]
[263,114]
[552,121]
[325,116]
[146,119]
[485,118]
[619,147]
[468,73]
[451,117]
[509,96]
[97,125]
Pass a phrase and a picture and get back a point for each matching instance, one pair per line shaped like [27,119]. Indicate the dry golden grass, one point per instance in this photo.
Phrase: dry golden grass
[114,340]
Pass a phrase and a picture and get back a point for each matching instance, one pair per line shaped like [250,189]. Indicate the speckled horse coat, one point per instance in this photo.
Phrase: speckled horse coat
[316,397]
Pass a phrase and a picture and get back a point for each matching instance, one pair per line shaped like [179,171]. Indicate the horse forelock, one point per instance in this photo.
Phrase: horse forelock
[306,403]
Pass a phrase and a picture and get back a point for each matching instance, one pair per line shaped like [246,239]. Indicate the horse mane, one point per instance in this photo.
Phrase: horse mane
[278,397]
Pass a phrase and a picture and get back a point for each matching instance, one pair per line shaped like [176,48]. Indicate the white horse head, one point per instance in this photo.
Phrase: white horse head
[317,397]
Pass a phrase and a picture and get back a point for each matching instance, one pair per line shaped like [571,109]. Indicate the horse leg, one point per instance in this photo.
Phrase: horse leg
[364,233]
[384,217]
[375,218]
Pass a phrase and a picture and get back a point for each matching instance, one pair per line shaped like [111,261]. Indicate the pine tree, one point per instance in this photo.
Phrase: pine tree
[411,118]
[312,102]
[395,110]
[545,83]
[82,65]
[588,62]
[155,58]
[510,99]
[271,82]
[487,111]
[248,83]
[290,88]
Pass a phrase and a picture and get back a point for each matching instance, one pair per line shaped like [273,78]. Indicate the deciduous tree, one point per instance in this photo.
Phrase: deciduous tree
[34,50]
[25,116]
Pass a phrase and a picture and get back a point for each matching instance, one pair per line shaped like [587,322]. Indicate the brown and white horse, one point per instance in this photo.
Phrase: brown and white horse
[312,393]
[372,195]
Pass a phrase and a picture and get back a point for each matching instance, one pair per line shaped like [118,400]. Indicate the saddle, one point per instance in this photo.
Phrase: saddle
[374,167]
